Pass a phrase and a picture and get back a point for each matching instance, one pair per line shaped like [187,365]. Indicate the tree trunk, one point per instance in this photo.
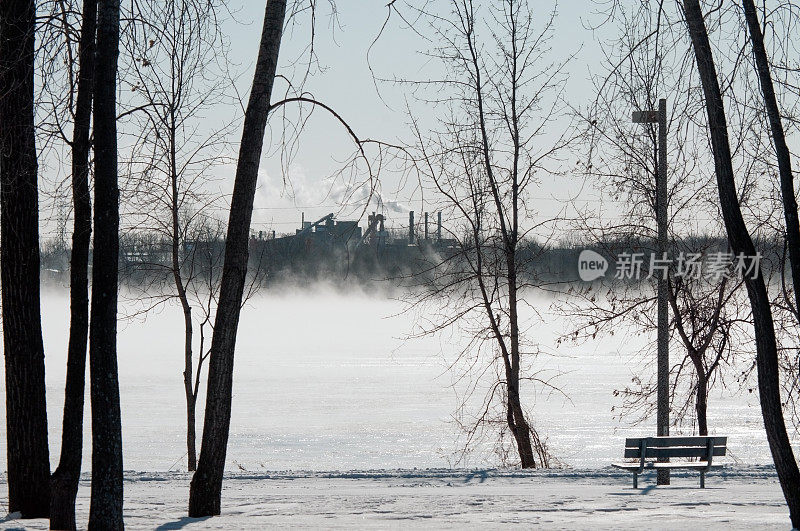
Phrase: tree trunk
[206,486]
[781,149]
[26,409]
[64,483]
[191,435]
[701,394]
[516,414]
[701,404]
[520,428]
[191,401]
[106,502]
[740,241]
[180,287]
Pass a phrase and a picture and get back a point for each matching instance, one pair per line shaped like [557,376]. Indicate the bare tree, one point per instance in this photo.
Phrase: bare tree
[106,498]
[739,237]
[64,483]
[782,153]
[178,72]
[206,486]
[707,320]
[26,409]
[499,93]
[644,61]
[786,308]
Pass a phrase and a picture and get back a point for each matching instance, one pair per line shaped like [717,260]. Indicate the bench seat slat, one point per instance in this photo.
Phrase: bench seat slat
[698,465]
[627,466]
[652,464]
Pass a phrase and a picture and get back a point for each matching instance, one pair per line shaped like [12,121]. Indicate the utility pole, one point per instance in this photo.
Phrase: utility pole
[662,413]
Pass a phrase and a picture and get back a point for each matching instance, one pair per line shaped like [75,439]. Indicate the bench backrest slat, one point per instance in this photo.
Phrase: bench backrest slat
[633,442]
[677,451]
[675,447]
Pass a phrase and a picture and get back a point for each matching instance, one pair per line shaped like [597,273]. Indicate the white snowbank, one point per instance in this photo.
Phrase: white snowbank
[734,498]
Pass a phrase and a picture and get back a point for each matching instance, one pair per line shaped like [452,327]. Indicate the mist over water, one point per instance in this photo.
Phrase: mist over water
[326,379]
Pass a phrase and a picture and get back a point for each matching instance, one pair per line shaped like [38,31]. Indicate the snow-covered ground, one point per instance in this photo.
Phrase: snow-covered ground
[325,382]
[745,498]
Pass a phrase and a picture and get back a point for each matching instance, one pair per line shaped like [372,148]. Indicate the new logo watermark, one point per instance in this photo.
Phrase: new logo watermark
[591,265]
[634,266]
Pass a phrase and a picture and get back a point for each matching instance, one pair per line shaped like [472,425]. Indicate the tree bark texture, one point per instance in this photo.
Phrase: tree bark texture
[516,414]
[64,483]
[701,393]
[206,486]
[105,512]
[26,410]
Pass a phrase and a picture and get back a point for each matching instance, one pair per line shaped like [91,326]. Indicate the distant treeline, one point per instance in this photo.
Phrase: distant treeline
[315,258]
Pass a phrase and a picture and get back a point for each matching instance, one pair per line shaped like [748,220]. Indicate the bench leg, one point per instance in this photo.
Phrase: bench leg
[702,480]
[635,480]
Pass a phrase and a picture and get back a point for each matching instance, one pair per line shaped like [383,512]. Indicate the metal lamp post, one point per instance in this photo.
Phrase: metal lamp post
[662,415]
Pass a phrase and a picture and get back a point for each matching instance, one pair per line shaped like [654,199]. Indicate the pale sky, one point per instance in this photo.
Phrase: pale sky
[375,109]
[348,86]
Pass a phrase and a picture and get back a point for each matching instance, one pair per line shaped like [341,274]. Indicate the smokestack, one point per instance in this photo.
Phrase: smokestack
[439,226]
[426,226]
[411,227]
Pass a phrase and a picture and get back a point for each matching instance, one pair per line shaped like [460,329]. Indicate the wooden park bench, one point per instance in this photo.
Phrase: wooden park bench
[651,452]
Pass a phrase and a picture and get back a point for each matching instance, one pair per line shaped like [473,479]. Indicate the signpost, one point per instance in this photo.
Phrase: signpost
[662,415]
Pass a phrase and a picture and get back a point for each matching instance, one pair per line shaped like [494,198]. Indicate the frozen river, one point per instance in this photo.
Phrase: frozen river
[327,382]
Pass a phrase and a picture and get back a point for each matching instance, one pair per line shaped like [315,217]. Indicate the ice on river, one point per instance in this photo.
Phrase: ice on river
[326,382]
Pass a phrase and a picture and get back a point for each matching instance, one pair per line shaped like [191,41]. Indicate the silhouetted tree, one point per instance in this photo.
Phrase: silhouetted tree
[106,499]
[779,143]
[706,318]
[64,483]
[26,409]
[483,161]
[741,243]
[645,60]
[206,486]
[178,69]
